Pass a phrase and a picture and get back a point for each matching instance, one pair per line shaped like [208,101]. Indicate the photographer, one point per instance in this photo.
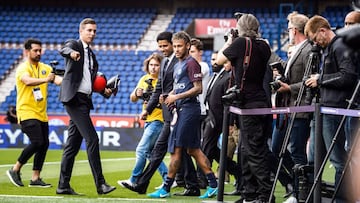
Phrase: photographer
[32,79]
[290,89]
[254,148]
[294,74]
[336,81]
[153,123]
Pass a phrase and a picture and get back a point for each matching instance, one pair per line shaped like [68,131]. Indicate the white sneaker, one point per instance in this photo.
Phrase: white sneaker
[120,182]
[160,186]
[291,199]
[174,185]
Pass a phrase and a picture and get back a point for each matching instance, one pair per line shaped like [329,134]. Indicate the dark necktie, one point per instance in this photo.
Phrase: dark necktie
[89,59]
[166,64]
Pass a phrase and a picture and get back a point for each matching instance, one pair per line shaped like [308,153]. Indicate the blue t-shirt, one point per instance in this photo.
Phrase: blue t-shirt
[185,73]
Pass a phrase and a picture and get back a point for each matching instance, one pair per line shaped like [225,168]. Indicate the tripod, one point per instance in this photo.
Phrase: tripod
[317,177]
[311,66]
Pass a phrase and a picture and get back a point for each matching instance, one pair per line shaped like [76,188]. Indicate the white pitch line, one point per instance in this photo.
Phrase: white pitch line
[129,199]
[31,196]
[61,197]
[80,161]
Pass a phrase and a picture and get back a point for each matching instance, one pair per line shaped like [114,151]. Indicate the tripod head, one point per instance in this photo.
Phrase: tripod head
[312,67]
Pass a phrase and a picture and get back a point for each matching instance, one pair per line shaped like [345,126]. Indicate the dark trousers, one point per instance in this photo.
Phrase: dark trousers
[80,127]
[212,152]
[38,133]
[254,154]
[286,171]
[157,155]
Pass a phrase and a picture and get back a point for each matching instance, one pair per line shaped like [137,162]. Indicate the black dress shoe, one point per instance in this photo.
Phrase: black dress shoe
[189,192]
[66,191]
[105,188]
[235,192]
[135,187]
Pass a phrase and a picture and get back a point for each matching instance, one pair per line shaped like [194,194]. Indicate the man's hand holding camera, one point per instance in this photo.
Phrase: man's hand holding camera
[139,92]
[312,81]
[284,87]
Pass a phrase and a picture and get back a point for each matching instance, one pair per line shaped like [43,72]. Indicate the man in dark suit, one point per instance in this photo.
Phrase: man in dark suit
[217,87]
[163,87]
[75,94]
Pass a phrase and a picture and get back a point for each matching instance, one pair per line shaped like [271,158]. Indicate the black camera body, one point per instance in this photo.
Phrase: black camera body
[233,32]
[233,95]
[55,70]
[148,91]
[275,84]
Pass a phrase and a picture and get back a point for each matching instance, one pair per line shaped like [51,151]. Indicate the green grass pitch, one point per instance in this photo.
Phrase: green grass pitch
[116,166]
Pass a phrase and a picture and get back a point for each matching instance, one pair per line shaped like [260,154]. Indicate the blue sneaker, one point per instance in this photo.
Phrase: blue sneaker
[160,193]
[210,192]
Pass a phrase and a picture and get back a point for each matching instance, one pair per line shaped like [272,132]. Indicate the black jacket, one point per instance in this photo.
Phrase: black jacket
[214,94]
[338,77]
[164,85]
[73,69]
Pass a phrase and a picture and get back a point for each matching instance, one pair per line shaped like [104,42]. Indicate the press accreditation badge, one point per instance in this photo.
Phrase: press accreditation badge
[37,94]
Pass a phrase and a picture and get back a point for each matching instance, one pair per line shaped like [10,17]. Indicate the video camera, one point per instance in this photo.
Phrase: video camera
[275,84]
[56,71]
[233,32]
[148,91]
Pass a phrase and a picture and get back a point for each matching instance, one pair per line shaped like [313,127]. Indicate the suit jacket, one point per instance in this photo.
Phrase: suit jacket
[214,94]
[164,85]
[73,70]
[295,75]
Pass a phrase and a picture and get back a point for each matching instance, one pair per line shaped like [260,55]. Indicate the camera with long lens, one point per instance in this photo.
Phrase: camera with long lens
[314,63]
[148,91]
[275,84]
[55,70]
[233,95]
[233,32]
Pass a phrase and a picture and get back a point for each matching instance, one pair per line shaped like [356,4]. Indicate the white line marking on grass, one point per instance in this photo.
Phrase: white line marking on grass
[130,199]
[80,161]
[104,199]
[29,196]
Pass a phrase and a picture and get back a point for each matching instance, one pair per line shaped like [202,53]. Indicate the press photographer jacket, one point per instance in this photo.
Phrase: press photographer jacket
[338,77]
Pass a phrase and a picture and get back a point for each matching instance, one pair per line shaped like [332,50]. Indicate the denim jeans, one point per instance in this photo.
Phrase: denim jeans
[311,153]
[338,154]
[300,133]
[146,144]
[351,127]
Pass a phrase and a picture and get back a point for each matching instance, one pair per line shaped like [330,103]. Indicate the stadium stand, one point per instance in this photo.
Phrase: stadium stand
[120,30]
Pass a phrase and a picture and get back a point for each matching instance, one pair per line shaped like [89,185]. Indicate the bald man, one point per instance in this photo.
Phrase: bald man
[352,18]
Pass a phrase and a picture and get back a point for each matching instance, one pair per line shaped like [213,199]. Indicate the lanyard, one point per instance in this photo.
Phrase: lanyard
[34,71]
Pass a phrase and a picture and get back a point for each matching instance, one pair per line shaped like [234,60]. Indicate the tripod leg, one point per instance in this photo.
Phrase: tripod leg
[347,165]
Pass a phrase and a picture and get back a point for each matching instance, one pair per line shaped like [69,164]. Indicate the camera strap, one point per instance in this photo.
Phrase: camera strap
[246,61]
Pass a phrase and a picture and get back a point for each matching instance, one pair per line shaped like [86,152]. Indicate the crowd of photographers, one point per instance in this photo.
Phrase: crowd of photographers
[321,68]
